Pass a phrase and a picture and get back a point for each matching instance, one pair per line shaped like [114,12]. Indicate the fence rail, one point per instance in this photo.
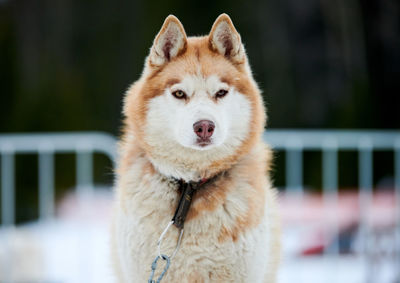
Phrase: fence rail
[293,142]
[46,145]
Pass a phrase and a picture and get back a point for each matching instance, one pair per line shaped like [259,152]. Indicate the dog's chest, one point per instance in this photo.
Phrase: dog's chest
[202,253]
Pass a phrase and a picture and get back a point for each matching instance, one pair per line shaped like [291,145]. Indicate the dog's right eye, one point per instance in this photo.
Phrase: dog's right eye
[179,94]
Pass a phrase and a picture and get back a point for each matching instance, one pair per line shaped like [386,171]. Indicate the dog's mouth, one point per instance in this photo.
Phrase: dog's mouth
[203,142]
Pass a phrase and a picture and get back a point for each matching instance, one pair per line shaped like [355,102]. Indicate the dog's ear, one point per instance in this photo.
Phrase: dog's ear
[225,40]
[169,42]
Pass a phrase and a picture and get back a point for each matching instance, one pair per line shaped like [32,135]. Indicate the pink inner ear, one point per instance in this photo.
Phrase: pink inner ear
[167,49]
[169,42]
[226,40]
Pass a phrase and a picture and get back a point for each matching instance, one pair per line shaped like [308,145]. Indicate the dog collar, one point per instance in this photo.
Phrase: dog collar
[188,190]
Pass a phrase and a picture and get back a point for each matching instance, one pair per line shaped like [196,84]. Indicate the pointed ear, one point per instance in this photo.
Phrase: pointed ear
[169,42]
[225,40]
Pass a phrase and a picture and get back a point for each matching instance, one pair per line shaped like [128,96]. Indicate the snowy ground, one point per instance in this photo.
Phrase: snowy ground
[74,248]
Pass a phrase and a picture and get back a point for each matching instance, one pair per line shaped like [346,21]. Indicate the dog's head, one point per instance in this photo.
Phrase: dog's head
[196,108]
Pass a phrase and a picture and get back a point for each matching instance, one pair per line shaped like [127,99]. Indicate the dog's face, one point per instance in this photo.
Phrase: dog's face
[199,112]
[196,104]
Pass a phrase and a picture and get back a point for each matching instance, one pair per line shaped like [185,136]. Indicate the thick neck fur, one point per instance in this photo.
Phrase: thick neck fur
[168,167]
[239,193]
[136,169]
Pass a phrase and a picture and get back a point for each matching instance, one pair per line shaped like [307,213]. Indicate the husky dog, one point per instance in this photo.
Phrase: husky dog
[195,116]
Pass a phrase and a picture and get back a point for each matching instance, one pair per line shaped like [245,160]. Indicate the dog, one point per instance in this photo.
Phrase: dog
[192,146]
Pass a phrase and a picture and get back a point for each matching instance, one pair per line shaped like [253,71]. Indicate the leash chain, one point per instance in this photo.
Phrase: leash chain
[154,267]
[188,190]
[163,256]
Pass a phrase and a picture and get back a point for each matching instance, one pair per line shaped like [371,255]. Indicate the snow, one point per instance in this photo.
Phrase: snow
[74,246]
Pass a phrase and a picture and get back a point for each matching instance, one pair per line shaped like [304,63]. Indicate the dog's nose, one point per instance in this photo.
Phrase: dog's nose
[204,129]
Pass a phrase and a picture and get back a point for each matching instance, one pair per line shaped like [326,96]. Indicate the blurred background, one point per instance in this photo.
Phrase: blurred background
[65,65]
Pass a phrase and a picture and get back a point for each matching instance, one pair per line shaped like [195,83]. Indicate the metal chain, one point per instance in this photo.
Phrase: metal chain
[154,267]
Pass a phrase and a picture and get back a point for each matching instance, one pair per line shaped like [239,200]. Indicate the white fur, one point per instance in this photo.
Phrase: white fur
[169,128]
[139,225]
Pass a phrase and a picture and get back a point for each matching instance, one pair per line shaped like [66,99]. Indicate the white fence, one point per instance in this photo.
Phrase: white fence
[46,146]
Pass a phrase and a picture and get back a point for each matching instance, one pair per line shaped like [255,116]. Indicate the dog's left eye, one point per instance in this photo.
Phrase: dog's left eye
[180,94]
[221,93]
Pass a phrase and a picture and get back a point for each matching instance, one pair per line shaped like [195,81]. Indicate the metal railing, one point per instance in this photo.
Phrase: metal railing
[84,145]
[293,142]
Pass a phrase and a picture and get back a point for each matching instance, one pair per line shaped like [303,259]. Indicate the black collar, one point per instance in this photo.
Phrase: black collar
[188,190]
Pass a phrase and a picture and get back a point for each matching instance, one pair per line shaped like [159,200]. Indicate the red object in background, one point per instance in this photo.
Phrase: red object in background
[313,225]
[315,250]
